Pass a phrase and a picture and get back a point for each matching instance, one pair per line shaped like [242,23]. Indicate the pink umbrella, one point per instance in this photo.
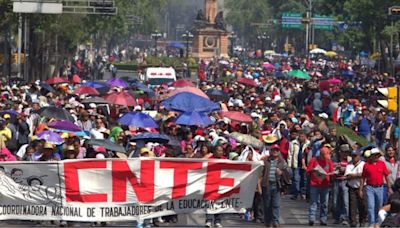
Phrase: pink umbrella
[237,116]
[183,83]
[334,81]
[193,90]
[268,66]
[247,81]
[316,74]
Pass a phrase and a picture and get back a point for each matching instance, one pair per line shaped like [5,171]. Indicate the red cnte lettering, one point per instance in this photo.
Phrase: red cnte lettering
[181,170]
[214,180]
[121,172]
[72,191]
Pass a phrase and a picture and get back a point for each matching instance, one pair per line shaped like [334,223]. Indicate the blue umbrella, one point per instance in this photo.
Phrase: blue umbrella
[348,73]
[138,119]
[189,102]
[176,44]
[96,85]
[117,82]
[279,74]
[194,119]
[151,137]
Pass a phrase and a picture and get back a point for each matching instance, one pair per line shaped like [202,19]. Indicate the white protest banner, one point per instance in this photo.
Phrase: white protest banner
[124,190]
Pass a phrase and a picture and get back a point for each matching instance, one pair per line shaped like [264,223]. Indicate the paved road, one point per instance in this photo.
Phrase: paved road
[293,214]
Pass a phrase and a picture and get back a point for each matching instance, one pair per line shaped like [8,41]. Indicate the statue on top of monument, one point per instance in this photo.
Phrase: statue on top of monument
[219,21]
[200,16]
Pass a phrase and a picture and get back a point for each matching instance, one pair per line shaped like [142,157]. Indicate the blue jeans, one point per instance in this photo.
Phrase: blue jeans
[272,200]
[375,201]
[215,217]
[321,194]
[299,182]
[340,201]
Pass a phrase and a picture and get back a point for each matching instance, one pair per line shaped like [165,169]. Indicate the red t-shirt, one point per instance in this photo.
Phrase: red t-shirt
[327,165]
[374,172]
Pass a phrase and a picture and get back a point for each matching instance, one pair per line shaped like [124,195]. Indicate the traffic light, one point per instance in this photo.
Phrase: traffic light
[394,11]
[391,102]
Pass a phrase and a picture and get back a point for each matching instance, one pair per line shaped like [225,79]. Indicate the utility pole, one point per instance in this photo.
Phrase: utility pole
[19,45]
[308,24]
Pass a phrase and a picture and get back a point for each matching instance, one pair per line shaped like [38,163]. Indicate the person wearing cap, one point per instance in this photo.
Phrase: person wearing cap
[5,132]
[70,152]
[47,153]
[357,205]
[373,175]
[275,168]
[319,185]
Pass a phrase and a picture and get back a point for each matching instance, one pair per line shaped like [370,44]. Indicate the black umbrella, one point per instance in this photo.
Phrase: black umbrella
[217,95]
[56,113]
[95,100]
[108,144]
[150,137]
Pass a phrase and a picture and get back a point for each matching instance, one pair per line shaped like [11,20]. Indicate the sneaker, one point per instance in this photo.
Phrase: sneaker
[345,223]
[218,224]
[293,198]
[63,224]
[208,224]
[323,223]
[311,223]
[147,226]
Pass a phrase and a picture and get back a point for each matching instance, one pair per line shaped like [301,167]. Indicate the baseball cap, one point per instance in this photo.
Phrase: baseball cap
[275,147]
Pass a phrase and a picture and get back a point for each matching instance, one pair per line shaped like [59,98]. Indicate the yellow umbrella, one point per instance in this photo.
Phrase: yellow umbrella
[330,53]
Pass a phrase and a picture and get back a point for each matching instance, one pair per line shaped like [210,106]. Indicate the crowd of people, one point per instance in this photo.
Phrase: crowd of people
[288,122]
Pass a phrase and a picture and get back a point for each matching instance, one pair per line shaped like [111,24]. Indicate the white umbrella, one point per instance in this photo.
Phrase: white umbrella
[317,51]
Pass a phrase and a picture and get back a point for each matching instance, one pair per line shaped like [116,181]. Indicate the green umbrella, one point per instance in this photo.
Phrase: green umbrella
[299,74]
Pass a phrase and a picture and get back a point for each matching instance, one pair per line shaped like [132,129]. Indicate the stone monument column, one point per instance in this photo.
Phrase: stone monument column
[211,9]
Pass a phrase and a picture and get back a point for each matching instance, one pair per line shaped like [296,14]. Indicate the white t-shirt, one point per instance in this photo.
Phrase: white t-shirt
[22,150]
[351,169]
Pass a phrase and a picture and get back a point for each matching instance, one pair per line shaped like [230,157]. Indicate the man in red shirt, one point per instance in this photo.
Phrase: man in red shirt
[320,169]
[372,175]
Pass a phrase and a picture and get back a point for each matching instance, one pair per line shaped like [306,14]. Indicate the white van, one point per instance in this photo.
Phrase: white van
[156,76]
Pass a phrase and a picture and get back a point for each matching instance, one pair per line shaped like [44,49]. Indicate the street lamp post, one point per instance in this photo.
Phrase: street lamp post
[232,38]
[262,37]
[156,35]
[187,36]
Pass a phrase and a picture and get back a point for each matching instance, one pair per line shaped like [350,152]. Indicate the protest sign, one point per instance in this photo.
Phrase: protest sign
[124,190]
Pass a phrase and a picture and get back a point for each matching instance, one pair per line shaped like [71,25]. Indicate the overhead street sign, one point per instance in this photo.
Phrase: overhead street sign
[37,7]
[291,20]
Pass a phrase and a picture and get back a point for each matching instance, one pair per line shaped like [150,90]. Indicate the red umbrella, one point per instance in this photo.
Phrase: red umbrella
[183,83]
[56,80]
[87,90]
[335,81]
[76,79]
[237,116]
[121,98]
[247,81]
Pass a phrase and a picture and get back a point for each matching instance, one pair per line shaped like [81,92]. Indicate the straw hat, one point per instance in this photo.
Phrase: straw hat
[271,138]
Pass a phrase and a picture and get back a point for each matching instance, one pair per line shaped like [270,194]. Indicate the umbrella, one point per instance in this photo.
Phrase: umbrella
[237,116]
[279,74]
[94,84]
[11,112]
[64,125]
[151,137]
[117,82]
[247,81]
[183,83]
[138,119]
[316,74]
[246,140]
[121,98]
[268,66]
[317,51]
[299,74]
[330,54]
[348,73]
[56,113]
[108,144]
[87,90]
[76,79]
[50,137]
[95,100]
[194,119]
[334,81]
[176,44]
[217,95]
[56,80]
[47,87]
[189,102]
[193,90]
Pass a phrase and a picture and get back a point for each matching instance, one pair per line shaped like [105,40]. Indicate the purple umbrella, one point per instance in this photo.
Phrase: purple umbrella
[50,137]
[64,125]
[117,82]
